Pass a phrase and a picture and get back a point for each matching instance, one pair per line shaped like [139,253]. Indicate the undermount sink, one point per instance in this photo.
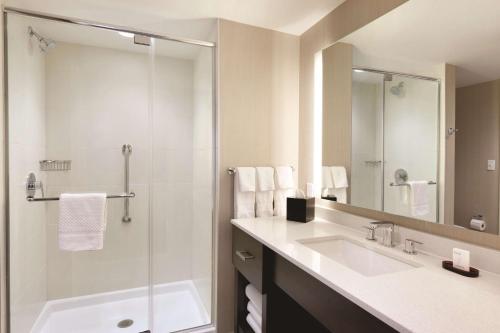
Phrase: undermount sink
[356,256]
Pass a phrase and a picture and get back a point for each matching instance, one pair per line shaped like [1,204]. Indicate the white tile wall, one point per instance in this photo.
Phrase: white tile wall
[98,99]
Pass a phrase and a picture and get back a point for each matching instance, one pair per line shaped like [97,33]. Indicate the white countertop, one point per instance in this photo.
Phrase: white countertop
[424,299]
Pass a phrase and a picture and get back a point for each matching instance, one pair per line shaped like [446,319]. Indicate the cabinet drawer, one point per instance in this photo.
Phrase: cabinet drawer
[248,257]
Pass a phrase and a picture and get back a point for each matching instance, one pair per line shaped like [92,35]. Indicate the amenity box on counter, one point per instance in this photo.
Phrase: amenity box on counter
[300,209]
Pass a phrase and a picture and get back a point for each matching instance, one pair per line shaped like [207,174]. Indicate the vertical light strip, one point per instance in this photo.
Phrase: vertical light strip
[318,122]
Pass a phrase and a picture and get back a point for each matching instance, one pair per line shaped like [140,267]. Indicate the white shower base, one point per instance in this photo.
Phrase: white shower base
[177,306]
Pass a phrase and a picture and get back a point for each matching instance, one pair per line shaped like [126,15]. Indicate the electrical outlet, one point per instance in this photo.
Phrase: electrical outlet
[491,165]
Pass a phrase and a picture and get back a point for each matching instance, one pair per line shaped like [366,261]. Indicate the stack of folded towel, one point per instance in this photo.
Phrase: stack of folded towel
[254,307]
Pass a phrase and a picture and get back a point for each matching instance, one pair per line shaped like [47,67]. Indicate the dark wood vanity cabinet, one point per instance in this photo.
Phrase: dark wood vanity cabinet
[293,300]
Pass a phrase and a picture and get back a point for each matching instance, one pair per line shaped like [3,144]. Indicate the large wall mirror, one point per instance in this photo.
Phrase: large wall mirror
[411,114]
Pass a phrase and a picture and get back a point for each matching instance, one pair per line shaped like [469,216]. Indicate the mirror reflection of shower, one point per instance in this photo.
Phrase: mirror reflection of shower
[398,90]
[44,44]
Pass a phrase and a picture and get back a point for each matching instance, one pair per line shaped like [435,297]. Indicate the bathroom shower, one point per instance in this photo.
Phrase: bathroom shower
[44,44]
[70,109]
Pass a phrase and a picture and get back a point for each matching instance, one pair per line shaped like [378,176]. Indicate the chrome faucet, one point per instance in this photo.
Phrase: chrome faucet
[410,246]
[387,235]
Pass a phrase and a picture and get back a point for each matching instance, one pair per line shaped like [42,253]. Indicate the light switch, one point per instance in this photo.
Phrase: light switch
[491,165]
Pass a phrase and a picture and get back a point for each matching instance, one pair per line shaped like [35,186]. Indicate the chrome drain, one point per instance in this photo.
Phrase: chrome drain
[125,323]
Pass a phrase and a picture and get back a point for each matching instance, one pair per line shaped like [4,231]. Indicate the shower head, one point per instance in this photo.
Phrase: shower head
[398,90]
[43,43]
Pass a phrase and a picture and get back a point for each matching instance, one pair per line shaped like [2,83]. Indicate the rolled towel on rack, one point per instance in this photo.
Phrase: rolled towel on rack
[253,324]
[256,315]
[254,296]
[82,221]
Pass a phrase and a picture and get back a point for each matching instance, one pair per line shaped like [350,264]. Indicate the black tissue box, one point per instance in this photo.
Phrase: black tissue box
[300,209]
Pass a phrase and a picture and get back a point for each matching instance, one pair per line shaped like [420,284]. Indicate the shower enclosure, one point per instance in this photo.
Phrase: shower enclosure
[395,139]
[96,108]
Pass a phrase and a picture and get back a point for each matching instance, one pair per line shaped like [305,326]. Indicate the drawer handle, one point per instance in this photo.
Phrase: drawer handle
[244,255]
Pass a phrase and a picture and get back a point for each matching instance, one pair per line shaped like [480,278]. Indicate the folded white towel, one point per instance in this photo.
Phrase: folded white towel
[280,201]
[284,188]
[339,176]
[244,195]
[326,178]
[253,325]
[265,178]
[264,203]
[284,178]
[254,296]
[256,315]
[264,195]
[82,221]
[246,179]
[419,198]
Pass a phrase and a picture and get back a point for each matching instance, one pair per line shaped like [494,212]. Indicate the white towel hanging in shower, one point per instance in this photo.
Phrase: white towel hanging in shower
[82,221]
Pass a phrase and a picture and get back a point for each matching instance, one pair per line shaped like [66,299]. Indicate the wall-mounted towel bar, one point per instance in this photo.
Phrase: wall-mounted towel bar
[232,171]
[430,182]
[109,196]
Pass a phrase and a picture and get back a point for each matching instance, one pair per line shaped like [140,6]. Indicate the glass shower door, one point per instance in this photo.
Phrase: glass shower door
[182,185]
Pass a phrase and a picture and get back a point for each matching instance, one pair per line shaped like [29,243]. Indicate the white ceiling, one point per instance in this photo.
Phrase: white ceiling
[290,16]
[424,33]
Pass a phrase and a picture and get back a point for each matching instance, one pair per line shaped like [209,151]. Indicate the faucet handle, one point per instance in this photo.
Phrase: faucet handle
[371,232]
[410,246]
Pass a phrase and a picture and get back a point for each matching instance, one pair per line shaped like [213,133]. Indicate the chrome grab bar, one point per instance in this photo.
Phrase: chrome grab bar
[109,196]
[430,182]
[127,150]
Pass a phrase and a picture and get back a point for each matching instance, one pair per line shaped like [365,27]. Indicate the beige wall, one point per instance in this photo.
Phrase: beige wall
[346,18]
[259,113]
[478,121]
